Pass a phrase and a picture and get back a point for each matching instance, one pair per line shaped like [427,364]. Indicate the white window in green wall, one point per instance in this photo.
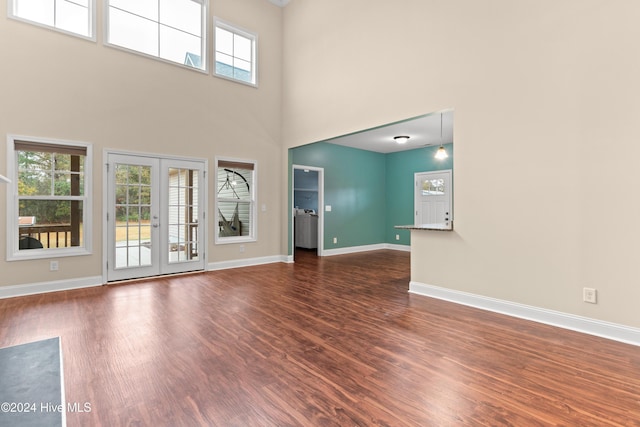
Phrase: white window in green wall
[235,200]
[76,17]
[171,30]
[235,53]
[49,205]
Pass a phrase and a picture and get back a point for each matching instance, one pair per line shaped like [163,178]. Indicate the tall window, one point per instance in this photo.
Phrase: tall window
[235,201]
[48,206]
[173,30]
[72,16]
[235,53]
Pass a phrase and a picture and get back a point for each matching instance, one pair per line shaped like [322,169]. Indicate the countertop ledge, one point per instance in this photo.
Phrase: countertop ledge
[434,227]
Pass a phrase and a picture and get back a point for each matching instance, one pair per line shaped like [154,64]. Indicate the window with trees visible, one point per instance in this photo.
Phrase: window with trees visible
[48,213]
[235,201]
[235,53]
[75,17]
[172,30]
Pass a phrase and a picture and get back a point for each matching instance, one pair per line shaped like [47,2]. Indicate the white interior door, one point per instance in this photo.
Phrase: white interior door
[433,198]
[155,216]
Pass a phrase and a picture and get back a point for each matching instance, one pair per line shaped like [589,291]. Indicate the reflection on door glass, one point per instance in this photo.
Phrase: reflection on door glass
[183,215]
[133,218]
[433,187]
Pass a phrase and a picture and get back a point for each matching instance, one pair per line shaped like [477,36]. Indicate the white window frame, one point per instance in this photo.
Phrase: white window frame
[204,44]
[252,237]
[219,23]
[11,6]
[12,250]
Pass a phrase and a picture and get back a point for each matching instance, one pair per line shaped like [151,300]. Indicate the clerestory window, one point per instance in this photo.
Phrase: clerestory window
[235,53]
[75,17]
[170,30]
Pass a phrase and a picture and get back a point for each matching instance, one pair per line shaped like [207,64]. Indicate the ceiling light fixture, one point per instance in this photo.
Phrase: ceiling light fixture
[402,139]
[441,154]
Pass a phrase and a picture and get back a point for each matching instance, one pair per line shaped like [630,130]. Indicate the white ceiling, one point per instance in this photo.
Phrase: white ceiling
[423,131]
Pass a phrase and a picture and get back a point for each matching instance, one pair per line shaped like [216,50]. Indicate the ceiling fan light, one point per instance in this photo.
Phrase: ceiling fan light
[402,139]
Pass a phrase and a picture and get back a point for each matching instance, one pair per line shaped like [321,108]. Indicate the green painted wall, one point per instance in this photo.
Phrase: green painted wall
[401,167]
[354,187]
[369,192]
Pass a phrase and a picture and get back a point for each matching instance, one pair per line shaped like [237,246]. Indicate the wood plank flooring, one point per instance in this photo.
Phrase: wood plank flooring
[336,341]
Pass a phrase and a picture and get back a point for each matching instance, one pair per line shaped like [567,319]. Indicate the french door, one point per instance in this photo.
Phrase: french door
[155,216]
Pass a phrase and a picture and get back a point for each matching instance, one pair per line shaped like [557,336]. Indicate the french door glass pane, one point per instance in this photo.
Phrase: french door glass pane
[183,215]
[133,221]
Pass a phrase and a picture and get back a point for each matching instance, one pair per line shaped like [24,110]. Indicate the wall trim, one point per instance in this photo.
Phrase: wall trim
[395,247]
[612,331]
[365,248]
[248,262]
[52,286]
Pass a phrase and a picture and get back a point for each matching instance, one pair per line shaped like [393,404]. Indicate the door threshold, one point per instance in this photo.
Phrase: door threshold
[146,278]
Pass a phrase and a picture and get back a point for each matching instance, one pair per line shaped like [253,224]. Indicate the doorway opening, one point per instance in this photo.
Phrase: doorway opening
[307,215]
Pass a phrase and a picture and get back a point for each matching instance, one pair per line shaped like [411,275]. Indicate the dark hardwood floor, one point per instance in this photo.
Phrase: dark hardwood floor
[334,341]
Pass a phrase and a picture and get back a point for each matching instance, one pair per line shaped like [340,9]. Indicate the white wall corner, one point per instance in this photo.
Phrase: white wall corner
[612,331]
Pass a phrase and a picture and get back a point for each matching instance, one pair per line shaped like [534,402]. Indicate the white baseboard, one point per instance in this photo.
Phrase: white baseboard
[403,248]
[612,331]
[53,286]
[365,248]
[248,262]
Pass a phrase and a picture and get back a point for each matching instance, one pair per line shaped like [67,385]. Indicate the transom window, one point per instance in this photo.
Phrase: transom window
[235,201]
[48,214]
[172,30]
[71,16]
[235,53]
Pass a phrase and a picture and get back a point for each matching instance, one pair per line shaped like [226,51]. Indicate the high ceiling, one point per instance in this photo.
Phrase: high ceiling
[422,131]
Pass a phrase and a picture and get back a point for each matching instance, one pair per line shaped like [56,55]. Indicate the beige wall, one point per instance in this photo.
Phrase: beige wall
[58,86]
[547,99]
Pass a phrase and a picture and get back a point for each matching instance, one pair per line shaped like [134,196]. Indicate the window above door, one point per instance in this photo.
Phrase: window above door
[74,17]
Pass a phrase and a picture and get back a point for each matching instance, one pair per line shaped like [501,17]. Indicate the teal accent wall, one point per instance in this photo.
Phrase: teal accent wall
[369,192]
[400,168]
[354,186]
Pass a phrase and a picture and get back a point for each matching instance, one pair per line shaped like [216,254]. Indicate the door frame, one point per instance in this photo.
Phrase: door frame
[292,209]
[105,200]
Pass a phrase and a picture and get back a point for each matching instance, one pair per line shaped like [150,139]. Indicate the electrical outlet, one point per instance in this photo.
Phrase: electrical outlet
[241,249]
[590,295]
[335,240]
[53,266]
[397,237]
